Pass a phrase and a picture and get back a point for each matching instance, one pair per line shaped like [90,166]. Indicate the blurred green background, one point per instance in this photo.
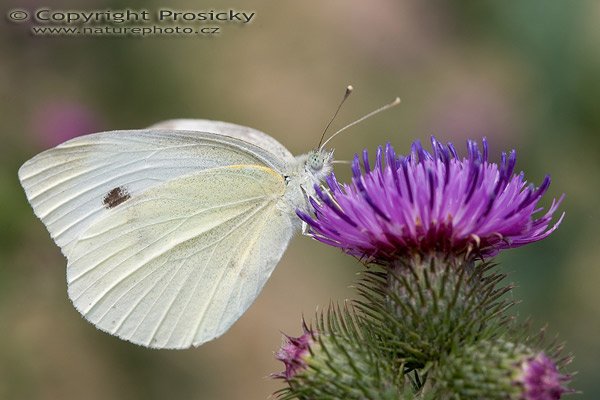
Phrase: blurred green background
[524,74]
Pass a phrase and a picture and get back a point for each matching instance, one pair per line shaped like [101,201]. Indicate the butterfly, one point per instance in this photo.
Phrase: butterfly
[171,232]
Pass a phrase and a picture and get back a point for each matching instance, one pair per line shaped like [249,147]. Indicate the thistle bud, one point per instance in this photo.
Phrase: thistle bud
[293,353]
[501,370]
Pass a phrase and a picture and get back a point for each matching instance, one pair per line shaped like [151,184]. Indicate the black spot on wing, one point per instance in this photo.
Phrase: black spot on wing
[115,197]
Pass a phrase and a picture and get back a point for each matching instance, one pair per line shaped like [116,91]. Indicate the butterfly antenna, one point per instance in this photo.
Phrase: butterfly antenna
[349,90]
[369,115]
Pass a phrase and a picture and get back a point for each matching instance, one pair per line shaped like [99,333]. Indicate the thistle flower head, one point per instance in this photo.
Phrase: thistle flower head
[541,379]
[430,202]
[293,353]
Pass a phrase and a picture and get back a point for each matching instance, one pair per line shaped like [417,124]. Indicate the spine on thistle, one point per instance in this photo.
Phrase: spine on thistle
[430,318]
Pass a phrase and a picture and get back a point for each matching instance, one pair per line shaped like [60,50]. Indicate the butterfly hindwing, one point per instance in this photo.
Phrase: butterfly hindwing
[249,135]
[176,265]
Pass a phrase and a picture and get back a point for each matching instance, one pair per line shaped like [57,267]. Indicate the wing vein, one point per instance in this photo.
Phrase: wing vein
[156,300]
[203,313]
[224,270]
[139,300]
[244,257]
[193,293]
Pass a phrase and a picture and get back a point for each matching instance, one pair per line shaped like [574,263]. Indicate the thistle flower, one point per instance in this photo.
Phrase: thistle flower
[293,353]
[541,380]
[426,203]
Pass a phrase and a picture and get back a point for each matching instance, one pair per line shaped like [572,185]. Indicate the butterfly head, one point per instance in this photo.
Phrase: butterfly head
[319,163]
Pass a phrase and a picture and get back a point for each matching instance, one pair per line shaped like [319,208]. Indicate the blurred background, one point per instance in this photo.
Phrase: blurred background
[524,74]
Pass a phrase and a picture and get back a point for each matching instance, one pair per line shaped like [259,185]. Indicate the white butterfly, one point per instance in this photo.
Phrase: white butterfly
[170,232]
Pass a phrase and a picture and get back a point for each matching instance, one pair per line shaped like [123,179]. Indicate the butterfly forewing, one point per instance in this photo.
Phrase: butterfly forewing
[80,181]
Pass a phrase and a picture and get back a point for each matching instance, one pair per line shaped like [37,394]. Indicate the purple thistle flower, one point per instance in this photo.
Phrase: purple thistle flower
[541,380]
[428,203]
[293,353]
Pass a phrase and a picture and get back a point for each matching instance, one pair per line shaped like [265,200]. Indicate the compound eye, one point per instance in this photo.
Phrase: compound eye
[315,162]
